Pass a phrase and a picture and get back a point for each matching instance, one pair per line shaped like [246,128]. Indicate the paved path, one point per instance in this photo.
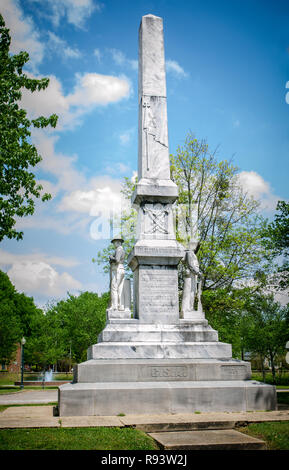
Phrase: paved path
[186,431]
[42,416]
[29,396]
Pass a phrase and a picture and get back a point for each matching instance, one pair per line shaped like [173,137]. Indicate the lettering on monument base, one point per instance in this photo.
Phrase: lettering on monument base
[161,372]
[233,372]
[158,290]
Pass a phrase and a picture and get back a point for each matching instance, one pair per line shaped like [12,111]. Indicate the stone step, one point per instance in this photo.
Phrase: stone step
[222,439]
[145,370]
[159,427]
[163,350]
[186,332]
[113,398]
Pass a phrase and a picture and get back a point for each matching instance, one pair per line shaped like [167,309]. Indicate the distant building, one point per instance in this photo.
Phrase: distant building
[15,364]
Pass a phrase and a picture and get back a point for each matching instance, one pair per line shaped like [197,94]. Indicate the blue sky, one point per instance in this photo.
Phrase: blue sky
[227,80]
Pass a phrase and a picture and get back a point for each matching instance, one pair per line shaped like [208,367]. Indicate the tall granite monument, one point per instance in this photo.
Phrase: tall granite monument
[160,358]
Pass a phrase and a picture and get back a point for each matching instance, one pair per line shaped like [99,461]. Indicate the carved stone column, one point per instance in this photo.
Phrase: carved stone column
[155,257]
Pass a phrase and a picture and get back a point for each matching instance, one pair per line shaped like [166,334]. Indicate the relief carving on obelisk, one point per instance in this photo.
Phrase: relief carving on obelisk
[153,124]
[155,134]
[157,217]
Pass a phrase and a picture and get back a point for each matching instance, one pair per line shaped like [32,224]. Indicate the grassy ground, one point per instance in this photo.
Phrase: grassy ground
[75,439]
[7,382]
[276,435]
[282,379]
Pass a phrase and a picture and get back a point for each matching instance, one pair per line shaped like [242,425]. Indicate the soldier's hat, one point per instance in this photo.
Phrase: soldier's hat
[117,239]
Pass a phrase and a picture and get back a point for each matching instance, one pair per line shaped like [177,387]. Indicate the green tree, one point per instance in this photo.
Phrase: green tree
[276,242]
[71,326]
[278,230]
[267,328]
[18,187]
[17,313]
[10,327]
[213,208]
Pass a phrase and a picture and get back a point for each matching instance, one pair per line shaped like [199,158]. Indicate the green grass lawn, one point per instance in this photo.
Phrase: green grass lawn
[8,378]
[276,435]
[75,439]
[282,380]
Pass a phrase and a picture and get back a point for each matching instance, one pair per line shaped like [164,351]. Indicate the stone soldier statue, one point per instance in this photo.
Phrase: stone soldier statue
[117,275]
[192,289]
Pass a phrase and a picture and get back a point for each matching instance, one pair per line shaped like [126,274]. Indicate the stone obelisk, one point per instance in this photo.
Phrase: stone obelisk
[156,254]
[154,361]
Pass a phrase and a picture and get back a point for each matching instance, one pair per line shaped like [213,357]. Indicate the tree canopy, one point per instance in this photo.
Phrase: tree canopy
[18,187]
[68,328]
[213,208]
[18,314]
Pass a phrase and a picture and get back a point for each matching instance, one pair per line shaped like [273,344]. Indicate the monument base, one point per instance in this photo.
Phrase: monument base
[113,398]
[147,386]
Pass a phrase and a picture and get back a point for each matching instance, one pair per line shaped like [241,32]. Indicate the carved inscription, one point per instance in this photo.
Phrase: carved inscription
[158,290]
[233,372]
[163,372]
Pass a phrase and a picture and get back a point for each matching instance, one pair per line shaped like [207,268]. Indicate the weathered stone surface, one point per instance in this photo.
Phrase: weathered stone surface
[155,221]
[153,128]
[142,332]
[163,350]
[142,370]
[118,314]
[161,397]
[208,440]
[154,190]
[155,252]
[157,294]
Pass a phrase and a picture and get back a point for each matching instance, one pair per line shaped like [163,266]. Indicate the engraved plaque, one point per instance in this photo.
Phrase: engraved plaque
[164,372]
[233,372]
[158,292]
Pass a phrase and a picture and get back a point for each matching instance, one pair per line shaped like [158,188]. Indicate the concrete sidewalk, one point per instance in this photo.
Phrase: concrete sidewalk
[42,416]
[203,431]
[24,397]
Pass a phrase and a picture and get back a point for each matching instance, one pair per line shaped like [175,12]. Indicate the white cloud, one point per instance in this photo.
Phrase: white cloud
[126,136]
[97,54]
[102,201]
[236,123]
[101,196]
[90,90]
[94,89]
[118,168]
[254,185]
[7,258]
[81,198]
[60,47]
[174,67]
[38,277]
[24,35]
[75,12]
[62,167]
[120,58]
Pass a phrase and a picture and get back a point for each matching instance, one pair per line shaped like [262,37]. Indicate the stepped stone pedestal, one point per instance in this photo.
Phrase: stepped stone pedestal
[151,360]
[148,368]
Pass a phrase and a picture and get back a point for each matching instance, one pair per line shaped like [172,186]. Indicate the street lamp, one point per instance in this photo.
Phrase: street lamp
[23,341]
